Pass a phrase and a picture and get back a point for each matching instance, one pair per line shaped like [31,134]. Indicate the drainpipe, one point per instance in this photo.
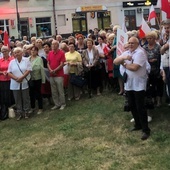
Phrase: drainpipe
[18,20]
[54,14]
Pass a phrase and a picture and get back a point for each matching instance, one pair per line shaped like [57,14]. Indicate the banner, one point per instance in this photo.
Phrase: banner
[122,39]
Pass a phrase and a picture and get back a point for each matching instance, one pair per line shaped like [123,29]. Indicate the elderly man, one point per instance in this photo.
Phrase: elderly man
[133,63]
[56,59]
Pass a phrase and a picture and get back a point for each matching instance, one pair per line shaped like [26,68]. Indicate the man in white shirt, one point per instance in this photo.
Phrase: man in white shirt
[134,64]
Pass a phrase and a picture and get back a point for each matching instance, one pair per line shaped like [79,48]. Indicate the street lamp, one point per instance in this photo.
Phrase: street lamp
[18,20]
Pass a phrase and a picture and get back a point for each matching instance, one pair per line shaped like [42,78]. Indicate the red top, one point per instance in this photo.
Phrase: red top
[54,59]
[4,67]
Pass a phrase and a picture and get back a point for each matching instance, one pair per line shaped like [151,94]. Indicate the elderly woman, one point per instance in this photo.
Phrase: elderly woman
[19,71]
[102,58]
[116,72]
[65,49]
[73,60]
[37,77]
[5,93]
[27,50]
[39,45]
[80,46]
[154,58]
[109,54]
[33,40]
[46,88]
[91,63]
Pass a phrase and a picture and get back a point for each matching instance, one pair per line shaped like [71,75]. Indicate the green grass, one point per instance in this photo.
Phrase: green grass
[90,134]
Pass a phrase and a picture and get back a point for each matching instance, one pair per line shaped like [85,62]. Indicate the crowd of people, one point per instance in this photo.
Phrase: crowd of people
[44,68]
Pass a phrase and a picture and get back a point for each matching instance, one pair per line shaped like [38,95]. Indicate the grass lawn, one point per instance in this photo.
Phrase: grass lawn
[90,134]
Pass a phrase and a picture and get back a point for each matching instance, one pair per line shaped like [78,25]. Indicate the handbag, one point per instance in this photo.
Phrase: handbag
[77,80]
[30,82]
[11,113]
[125,76]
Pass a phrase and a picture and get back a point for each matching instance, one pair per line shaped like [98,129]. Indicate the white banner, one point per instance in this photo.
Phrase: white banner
[122,39]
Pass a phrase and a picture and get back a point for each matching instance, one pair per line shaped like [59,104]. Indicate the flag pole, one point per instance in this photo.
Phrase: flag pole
[158,22]
[18,20]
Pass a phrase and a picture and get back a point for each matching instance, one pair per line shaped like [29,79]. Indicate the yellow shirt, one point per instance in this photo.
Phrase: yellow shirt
[73,58]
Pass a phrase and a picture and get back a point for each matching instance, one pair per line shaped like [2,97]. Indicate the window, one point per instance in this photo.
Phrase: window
[43,27]
[130,19]
[2,27]
[146,14]
[104,20]
[2,24]
[61,20]
[79,23]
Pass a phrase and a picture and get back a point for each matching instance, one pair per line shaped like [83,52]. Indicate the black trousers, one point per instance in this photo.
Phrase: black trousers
[136,101]
[35,94]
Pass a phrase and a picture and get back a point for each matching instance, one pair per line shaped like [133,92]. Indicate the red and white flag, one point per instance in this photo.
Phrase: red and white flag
[6,37]
[152,15]
[164,5]
[144,29]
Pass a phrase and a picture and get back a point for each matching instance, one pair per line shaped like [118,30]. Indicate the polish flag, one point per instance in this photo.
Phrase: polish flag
[164,5]
[152,15]
[6,37]
[144,29]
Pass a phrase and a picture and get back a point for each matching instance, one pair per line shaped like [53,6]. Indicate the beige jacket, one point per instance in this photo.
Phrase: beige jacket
[85,57]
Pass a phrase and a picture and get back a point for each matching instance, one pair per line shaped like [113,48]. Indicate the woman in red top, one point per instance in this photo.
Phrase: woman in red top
[6,98]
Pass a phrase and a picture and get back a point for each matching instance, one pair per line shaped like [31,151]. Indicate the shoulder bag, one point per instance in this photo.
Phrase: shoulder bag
[30,82]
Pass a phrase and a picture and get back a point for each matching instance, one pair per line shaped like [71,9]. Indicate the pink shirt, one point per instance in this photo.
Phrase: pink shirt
[4,67]
[54,60]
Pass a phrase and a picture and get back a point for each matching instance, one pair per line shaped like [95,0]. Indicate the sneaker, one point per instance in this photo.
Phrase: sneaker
[19,117]
[39,111]
[31,110]
[77,98]
[132,120]
[62,107]
[55,107]
[149,118]
[26,116]
[145,136]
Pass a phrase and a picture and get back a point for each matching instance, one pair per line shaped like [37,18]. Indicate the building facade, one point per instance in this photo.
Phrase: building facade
[44,18]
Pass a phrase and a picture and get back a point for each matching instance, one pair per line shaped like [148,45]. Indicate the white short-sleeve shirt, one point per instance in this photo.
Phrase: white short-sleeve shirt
[136,79]
[14,69]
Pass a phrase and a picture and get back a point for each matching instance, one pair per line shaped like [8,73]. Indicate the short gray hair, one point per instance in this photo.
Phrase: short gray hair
[18,49]
[4,48]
